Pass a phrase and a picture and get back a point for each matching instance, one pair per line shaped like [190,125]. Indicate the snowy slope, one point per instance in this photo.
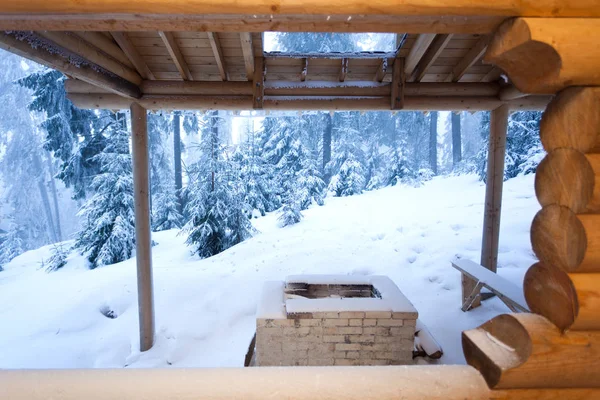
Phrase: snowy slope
[205,308]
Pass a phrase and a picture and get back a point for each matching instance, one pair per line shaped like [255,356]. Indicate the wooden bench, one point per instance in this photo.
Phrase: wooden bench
[506,291]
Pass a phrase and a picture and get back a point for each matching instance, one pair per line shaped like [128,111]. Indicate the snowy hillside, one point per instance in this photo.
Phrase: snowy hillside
[205,308]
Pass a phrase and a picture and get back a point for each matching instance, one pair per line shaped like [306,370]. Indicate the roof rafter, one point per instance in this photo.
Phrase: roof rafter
[248,52]
[304,69]
[107,45]
[76,45]
[416,52]
[343,69]
[434,51]
[381,70]
[178,59]
[215,44]
[468,60]
[130,51]
[83,72]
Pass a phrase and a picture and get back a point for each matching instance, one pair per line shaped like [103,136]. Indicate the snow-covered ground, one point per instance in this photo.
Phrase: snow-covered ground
[205,308]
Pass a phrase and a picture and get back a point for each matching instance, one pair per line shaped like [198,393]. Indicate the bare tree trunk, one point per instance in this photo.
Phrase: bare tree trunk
[37,165]
[327,145]
[456,142]
[177,158]
[433,141]
[54,197]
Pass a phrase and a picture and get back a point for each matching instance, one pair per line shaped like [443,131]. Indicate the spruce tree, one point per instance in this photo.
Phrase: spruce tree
[347,164]
[216,211]
[11,246]
[165,209]
[108,232]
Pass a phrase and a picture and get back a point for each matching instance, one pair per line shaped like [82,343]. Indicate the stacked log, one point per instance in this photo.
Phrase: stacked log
[559,345]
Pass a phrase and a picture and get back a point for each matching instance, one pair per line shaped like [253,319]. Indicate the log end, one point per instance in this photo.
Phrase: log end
[565,177]
[550,292]
[499,345]
[532,66]
[558,237]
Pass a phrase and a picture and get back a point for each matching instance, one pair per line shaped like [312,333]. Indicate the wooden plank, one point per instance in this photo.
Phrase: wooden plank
[381,70]
[510,92]
[79,47]
[397,93]
[143,242]
[417,51]
[528,351]
[474,55]
[343,70]
[176,55]
[130,51]
[491,280]
[543,57]
[228,88]
[434,51]
[248,51]
[304,69]
[258,83]
[82,72]
[107,45]
[215,44]
[505,8]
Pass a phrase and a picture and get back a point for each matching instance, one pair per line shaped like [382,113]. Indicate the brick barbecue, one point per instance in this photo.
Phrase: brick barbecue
[334,320]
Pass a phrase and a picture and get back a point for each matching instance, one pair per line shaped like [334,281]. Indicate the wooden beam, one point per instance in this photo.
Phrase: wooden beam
[510,92]
[571,120]
[79,47]
[542,57]
[52,60]
[248,52]
[178,59]
[397,94]
[343,70]
[258,83]
[130,51]
[569,301]
[304,71]
[457,8]
[417,51]
[528,351]
[222,102]
[468,60]
[493,198]
[185,22]
[215,44]
[143,242]
[434,51]
[381,70]
[444,382]
[107,45]
[229,88]
[493,75]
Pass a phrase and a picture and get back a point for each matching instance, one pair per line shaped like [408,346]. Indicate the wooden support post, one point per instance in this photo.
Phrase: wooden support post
[493,197]
[141,187]
[258,91]
[397,98]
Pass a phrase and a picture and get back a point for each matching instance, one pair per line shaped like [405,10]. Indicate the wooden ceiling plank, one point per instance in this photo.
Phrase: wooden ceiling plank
[83,72]
[215,44]
[417,51]
[130,51]
[77,46]
[434,51]
[343,69]
[474,55]
[176,56]
[248,52]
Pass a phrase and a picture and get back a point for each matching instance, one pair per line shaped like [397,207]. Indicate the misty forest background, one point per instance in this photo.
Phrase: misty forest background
[66,173]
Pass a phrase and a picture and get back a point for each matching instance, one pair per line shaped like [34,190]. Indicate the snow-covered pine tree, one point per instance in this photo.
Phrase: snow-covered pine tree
[290,214]
[11,246]
[73,135]
[215,208]
[165,208]
[346,166]
[108,232]
[309,186]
